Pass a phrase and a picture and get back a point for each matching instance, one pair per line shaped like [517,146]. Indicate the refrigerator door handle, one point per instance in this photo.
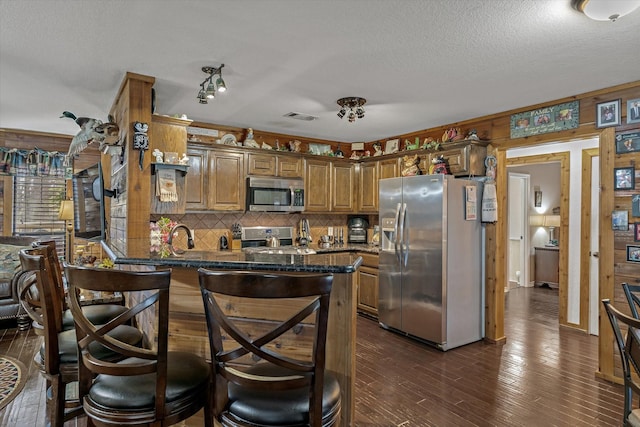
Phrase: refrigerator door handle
[404,242]
[396,236]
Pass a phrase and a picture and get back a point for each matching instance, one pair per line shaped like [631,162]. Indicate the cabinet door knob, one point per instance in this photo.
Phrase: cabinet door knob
[594,254]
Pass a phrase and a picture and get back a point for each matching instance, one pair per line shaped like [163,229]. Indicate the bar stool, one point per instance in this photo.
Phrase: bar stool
[150,386]
[57,358]
[267,334]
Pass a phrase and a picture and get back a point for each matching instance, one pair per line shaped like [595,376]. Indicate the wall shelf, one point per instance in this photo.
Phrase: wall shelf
[181,168]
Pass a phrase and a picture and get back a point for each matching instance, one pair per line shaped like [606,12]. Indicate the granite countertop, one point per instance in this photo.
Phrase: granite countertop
[348,247]
[137,253]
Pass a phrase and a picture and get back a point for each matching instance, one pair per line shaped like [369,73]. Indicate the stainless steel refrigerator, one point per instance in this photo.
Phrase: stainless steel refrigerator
[430,267]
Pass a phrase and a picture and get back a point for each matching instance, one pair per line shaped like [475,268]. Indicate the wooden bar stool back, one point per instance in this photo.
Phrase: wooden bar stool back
[149,386]
[629,349]
[267,333]
[98,313]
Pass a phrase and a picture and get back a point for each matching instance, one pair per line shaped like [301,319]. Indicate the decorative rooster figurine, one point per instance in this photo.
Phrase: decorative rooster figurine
[91,130]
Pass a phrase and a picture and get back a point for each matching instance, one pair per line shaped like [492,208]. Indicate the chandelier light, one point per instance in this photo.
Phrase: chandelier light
[352,107]
[606,10]
[208,88]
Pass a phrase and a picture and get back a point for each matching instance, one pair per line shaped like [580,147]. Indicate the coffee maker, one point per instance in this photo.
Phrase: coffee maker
[357,230]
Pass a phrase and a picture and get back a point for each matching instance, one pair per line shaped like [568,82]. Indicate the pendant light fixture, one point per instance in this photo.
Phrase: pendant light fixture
[208,88]
[353,105]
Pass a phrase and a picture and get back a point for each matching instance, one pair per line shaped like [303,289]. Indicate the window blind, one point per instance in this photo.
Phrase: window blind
[36,202]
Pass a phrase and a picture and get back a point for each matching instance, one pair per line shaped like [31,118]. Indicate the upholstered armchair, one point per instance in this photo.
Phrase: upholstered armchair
[10,273]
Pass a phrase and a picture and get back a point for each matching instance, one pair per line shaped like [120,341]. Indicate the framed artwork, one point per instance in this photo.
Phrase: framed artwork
[624,178]
[635,205]
[628,141]
[608,114]
[636,232]
[633,110]
[633,253]
[537,198]
[391,146]
[620,220]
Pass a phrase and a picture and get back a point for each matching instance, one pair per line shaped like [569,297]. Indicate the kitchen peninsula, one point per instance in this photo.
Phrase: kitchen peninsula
[187,325]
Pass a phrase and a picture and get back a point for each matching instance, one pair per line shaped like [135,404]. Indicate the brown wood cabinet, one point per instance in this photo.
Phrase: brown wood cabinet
[368,284]
[267,164]
[547,267]
[389,168]
[463,158]
[368,175]
[343,184]
[216,180]
[317,186]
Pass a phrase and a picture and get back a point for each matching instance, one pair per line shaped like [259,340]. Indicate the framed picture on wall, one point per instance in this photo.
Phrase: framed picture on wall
[620,220]
[636,232]
[608,114]
[627,142]
[633,110]
[624,178]
[633,253]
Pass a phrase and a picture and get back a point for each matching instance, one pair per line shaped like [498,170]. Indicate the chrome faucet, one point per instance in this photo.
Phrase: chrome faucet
[190,244]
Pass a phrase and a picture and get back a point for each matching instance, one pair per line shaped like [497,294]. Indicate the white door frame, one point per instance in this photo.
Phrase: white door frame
[524,184]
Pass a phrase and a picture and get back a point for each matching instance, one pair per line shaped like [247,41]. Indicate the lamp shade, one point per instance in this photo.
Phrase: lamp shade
[552,220]
[66,210]
[536,220]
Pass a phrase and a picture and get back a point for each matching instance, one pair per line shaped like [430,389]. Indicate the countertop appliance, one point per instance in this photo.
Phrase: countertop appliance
[275,194]
[357,230]
[430,271]
[254,240]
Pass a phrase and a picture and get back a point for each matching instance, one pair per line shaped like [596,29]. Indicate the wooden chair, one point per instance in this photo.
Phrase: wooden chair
[632,292]
[629,349]
[97,313]
[269,365]
[57,359]
[149,387]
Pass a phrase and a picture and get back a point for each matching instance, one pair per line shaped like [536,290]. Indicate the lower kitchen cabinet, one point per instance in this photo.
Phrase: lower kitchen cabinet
[368,284]
[547,266]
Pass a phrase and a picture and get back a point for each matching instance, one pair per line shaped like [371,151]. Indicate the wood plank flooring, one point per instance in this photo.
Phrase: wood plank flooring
[542,376]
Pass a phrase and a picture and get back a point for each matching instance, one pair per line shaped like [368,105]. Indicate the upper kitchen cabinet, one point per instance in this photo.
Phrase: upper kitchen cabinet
[216,180]
[317,185]
[368,175]
[197,179]
[389,168]
[226,181]
[463,158]
[266,164]
[343,186]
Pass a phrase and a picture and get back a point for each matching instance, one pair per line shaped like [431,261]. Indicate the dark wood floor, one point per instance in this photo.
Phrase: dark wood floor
[542,376]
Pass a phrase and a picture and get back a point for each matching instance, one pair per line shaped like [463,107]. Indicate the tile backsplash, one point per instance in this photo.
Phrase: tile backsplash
[209,227]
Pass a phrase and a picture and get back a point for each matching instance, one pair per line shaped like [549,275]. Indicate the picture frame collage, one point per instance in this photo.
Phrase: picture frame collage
[609,113]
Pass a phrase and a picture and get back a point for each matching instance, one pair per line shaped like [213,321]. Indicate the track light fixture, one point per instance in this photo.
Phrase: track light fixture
[208,88]
[354,106]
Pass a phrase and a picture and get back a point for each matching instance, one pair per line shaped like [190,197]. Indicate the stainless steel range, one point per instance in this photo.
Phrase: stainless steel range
[254,240]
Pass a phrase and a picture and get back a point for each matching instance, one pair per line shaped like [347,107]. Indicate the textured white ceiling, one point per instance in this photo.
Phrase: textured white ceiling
[419,63]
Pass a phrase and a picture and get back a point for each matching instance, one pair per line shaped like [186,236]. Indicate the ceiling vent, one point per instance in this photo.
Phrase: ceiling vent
[301,116]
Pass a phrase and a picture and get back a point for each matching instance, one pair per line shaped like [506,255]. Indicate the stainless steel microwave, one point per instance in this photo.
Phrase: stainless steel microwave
[275,194]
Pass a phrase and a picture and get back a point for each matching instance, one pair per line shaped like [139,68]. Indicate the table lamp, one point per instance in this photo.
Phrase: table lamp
[66,214]
[552,221]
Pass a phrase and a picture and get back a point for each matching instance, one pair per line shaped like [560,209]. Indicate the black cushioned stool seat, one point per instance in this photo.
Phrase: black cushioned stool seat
[98,314]
[186,372]
[272,407]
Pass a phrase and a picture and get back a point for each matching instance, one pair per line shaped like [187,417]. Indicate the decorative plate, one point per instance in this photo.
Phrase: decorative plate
[229,139]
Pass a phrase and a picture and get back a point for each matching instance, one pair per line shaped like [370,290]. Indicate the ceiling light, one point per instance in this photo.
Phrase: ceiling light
[211,87]
[605,10]
[354,105]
